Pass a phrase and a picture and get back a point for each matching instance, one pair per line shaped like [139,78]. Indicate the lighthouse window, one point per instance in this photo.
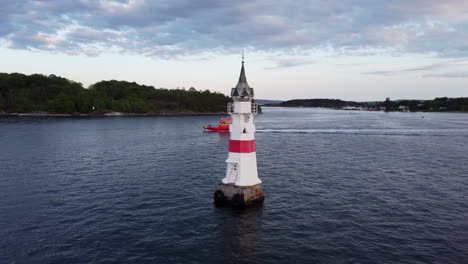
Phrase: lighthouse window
[245,131]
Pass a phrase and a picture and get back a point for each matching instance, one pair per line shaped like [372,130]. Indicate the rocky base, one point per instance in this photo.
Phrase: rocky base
[238,196]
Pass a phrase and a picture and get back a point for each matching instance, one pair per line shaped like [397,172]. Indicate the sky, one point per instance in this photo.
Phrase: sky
[349,49]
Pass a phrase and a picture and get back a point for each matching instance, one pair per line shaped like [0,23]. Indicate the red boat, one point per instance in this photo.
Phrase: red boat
[222,127]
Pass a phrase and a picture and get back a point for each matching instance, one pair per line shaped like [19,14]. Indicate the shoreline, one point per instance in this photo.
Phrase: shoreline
[110,114]
[356,110]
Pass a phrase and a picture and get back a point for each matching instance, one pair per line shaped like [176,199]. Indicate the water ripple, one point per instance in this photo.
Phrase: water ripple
[341,187]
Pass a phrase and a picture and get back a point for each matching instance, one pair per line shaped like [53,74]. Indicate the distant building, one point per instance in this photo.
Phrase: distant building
[403,108]
[350,108]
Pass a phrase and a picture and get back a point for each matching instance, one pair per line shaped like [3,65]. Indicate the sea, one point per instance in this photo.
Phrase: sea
[340,187]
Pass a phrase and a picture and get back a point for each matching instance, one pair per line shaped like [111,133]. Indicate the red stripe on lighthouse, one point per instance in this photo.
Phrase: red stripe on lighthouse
[242,146]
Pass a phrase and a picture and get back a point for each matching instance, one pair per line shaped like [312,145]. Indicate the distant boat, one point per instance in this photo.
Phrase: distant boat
[222,127]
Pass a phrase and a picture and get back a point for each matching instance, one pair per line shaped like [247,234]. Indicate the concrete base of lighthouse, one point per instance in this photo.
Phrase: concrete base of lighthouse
[238,196]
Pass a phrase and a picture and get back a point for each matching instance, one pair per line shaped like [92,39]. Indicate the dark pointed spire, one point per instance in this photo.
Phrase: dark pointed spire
[242,88]
[242,77]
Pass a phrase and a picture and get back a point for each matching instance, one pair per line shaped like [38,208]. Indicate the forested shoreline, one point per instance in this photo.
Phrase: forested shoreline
[37,93]
[441,104]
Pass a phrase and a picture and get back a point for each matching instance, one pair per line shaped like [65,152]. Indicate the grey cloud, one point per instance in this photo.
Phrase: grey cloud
[382,73]
[425,68]
[289,62]
[429,67]
[184,27]
[447,75]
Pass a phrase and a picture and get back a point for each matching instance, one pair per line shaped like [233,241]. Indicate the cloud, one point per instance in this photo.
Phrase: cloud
[425,68]
[447,75]
[382,73]
[182,27]
[289,62]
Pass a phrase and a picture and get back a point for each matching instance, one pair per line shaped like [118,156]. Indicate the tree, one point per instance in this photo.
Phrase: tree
[26,93]
[389,105]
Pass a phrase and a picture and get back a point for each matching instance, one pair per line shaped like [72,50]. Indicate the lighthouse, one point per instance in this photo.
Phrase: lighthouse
[241,185]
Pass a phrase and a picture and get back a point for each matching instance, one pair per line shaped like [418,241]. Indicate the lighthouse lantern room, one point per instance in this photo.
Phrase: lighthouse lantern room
[241,185]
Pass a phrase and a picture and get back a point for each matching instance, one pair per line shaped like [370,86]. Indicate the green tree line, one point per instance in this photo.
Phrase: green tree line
[20,93]
[326,103]
[440,104]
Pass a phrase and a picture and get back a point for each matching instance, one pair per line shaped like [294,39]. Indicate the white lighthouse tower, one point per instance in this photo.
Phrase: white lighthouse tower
[241,186]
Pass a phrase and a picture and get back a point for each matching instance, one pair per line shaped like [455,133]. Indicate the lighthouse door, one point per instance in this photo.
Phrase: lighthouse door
[232,172]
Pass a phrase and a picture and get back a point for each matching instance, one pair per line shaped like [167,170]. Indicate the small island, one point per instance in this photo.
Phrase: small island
[41,95]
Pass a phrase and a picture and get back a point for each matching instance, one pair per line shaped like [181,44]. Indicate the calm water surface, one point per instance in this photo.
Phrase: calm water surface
[341,187]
